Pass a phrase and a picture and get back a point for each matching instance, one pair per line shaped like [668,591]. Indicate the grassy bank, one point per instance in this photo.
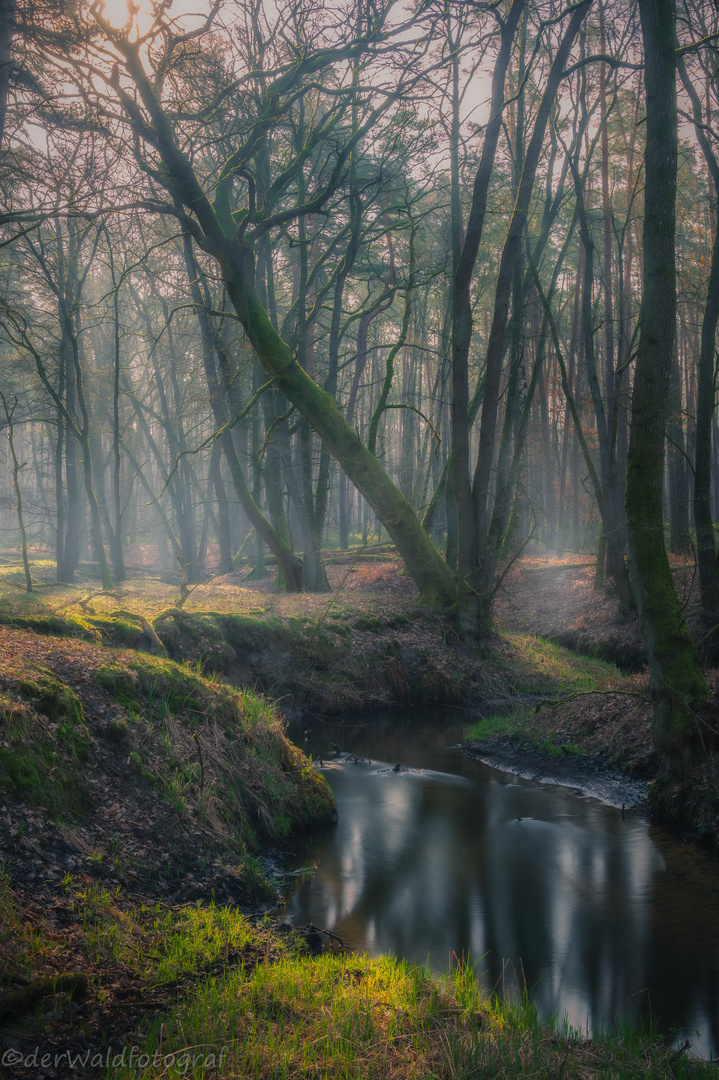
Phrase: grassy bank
[204,992]
[145,772]
[611,729]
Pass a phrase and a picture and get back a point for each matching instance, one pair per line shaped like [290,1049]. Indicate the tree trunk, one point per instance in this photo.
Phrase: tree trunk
[7,32]
[472,616]
[481,583]
[706,387]
[218,234]
[118,562]
[289,566]
[223,514]
[606,499]
[676,682]
[16,467]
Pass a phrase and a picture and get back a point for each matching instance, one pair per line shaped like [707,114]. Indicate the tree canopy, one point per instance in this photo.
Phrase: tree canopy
[278,277]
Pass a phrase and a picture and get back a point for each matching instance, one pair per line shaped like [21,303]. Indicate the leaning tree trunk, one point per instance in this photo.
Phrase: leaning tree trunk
[676,682]
[218,235]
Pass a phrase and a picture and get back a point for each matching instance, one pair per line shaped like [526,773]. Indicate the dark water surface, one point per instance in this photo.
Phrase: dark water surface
[608,917]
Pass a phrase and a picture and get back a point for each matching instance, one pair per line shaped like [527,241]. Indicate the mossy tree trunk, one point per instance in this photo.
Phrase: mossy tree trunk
[432,576]
[676,682]
[706,388]
[224,237]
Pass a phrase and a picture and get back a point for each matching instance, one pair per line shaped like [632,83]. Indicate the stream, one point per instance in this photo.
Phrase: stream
[604,915]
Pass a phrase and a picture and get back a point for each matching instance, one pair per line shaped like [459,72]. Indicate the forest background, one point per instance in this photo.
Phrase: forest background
[278,277]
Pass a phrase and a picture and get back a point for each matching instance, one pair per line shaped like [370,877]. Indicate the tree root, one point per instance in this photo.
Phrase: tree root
[157,647]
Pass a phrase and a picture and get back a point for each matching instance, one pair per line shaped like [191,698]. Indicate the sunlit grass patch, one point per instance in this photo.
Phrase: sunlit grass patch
[239,1004]
[370,1019]
[541,667]
[159,943]
[329,1016]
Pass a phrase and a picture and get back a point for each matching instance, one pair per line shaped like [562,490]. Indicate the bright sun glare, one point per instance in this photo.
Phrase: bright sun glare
[119,12]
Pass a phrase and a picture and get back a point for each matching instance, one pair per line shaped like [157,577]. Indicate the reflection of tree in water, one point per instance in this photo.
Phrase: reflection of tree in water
[526,880]
[683,946]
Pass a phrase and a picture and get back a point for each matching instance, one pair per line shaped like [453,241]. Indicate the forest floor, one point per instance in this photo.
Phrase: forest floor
[136,794]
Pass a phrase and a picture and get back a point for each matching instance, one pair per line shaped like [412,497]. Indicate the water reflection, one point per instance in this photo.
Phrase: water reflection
[605,916]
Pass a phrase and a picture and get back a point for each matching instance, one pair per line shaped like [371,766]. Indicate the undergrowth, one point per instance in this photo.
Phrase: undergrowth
[216,755]
[341,1017]
[223,751]
[518,726]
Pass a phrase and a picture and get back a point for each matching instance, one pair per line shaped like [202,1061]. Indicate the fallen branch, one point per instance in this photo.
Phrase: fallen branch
[84,602]
[312,934]
[552,703]
[170,613]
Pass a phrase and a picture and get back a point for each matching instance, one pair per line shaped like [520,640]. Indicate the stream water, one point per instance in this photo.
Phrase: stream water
[604,915]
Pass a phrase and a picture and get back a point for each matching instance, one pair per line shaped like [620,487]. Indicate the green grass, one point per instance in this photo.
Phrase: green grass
[223,750]
[538,666]
[15,567]
[518,725]
[353,1017]
[556,747]
[208,750]
[490,727]
[173,942]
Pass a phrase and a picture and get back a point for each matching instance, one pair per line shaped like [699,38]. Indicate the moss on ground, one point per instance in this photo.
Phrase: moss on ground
[51,623]
[212,756]
[43,743]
